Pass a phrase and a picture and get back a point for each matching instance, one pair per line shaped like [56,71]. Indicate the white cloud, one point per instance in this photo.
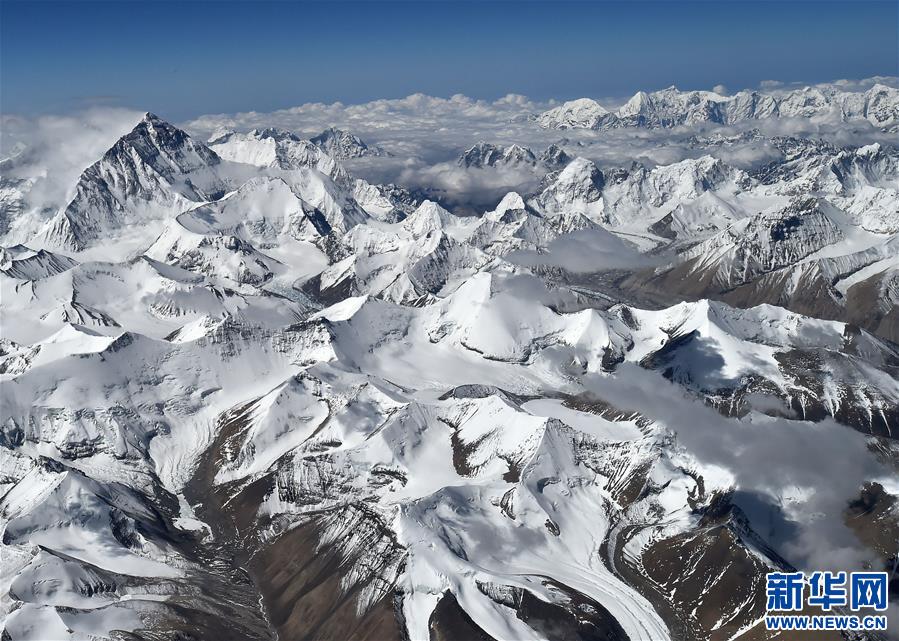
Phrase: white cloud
[767,85]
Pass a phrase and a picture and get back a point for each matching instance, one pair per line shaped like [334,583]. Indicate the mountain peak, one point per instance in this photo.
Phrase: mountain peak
[154,167]
[341,144]
[555,157]
[152,122]
[275,134]
[339,135]
[334,132]
[163,145]
[486,154]
[575,114]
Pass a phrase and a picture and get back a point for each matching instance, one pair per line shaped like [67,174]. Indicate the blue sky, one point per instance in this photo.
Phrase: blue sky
[188,58]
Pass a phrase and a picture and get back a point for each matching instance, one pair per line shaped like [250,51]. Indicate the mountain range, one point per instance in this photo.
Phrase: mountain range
[247,394]
[671,107]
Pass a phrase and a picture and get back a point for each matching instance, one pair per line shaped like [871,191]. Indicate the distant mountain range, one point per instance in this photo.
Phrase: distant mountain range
[670,107]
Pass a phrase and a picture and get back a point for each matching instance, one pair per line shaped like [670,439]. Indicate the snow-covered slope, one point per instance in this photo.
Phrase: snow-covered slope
[276,148]
[272,147]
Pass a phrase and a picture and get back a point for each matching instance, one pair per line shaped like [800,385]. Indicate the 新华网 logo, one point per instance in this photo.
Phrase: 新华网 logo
[845,593]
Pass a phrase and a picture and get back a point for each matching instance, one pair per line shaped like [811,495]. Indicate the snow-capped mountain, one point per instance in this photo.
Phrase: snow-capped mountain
[277,148]
[683,200]
[555,157]
[671,107]
[155,169]
[246,394]
[341,144]
[583,113]
[271,147]
[763,243]
[484,154]
[579,187]
[824,244]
